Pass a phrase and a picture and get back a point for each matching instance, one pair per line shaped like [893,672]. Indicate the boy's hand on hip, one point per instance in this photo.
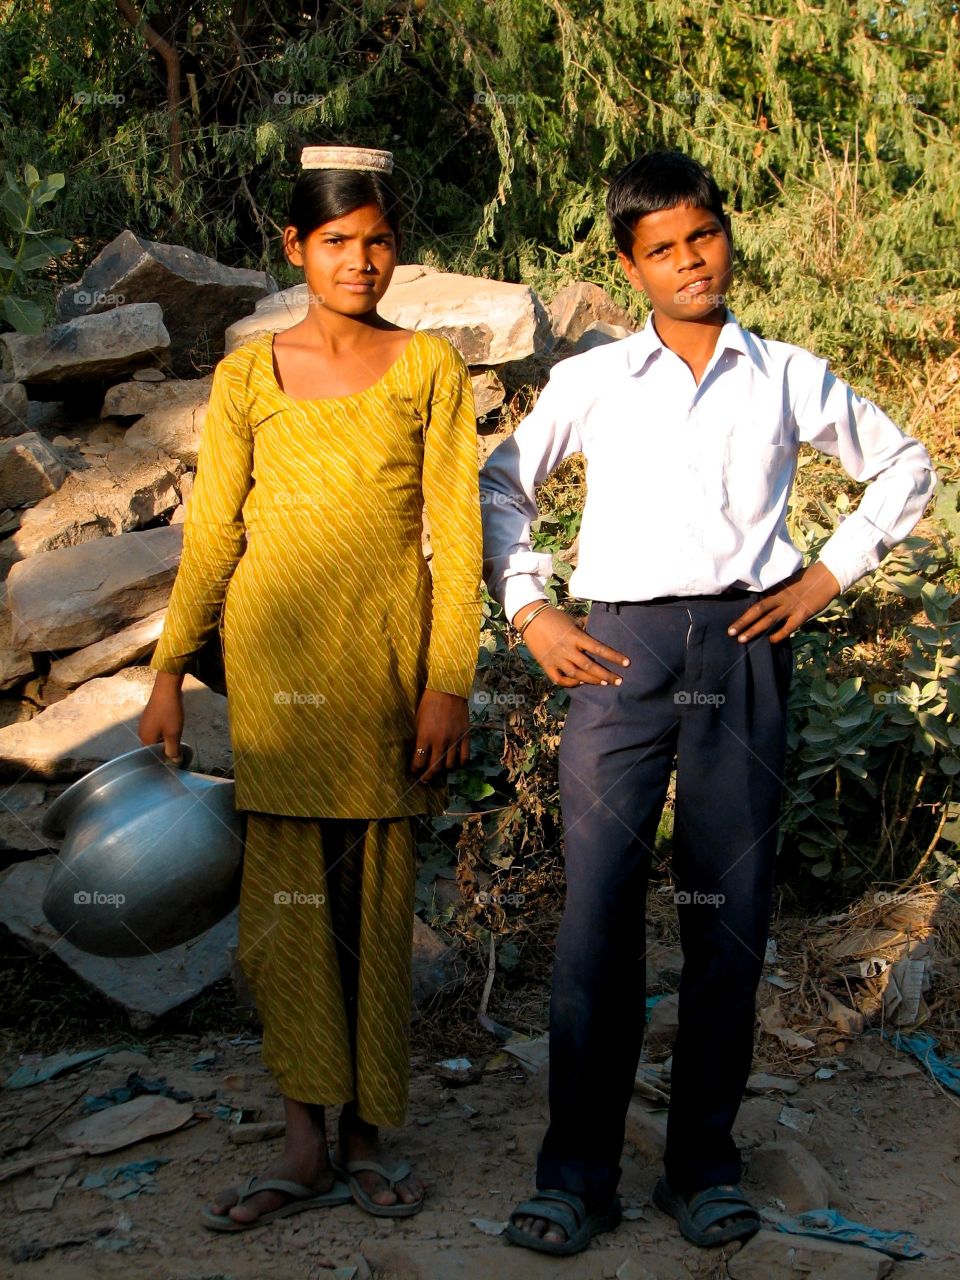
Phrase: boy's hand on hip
[790,604]
[562,647]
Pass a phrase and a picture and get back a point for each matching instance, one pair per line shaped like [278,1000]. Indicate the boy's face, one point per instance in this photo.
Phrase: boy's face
[682,260]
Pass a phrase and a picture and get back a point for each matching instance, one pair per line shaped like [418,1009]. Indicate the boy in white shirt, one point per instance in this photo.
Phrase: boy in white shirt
[690,430]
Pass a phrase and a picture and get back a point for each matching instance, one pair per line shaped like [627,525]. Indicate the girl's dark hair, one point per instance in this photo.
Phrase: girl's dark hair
[656,181]
[320,195]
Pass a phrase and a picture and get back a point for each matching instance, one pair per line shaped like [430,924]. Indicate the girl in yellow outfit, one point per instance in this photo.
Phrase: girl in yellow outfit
[348,668]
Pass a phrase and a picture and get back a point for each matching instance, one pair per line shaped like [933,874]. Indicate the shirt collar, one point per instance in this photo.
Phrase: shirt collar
[642,346]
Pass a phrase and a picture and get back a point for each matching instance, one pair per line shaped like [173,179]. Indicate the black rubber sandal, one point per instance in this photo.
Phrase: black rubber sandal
[569,1213]
[703,1210]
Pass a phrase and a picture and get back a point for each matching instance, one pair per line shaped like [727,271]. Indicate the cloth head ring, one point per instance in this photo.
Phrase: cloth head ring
[361,158]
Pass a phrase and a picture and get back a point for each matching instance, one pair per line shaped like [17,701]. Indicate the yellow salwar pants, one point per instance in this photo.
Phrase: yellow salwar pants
[325,937]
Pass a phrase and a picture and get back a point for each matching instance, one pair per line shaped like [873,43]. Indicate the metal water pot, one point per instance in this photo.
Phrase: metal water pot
[151,855]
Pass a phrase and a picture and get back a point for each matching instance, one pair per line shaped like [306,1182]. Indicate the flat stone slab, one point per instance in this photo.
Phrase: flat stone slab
[110,654]
[775,1255]
[145,987]
[98,722]
[490,322]
[199,295]
[95,348]
[73,596]
[29,469]
[174,428]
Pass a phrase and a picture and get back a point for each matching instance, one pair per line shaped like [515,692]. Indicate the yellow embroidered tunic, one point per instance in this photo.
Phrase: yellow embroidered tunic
[303,544]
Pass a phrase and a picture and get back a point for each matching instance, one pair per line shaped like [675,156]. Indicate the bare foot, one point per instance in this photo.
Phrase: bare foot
[361,1141]
[542,1229]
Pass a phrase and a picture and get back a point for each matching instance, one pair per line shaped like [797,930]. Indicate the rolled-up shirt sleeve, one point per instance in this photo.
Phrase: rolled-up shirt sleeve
[837,421]
[515,574]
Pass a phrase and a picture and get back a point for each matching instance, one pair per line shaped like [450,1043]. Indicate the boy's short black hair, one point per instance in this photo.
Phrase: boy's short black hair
[655,181]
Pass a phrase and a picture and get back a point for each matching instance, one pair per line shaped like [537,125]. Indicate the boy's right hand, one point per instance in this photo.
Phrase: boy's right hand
[560,644]
[162,717]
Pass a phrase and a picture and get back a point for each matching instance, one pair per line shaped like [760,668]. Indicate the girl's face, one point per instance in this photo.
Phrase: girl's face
[347,262]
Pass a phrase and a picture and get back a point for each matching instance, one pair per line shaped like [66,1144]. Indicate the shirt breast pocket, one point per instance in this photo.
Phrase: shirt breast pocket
[757,474]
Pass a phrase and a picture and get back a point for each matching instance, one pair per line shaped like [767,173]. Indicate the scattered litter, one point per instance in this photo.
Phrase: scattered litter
[794,1118]
[135,1086]
[244,1040]
[850,1021]
[36,1070]
[42,1195]
[633,1213]
[761,1082]
[458,1071]
[531,1053]
[785,984]
[831,1225]
[864,942]
[262,1132]
[773,1024]
[488,1227]
[205,1061]
[467,1110]
[824,1073]
[923,1046]
[236,1115]
[134,1178]
[127,1123]
[873,967]
[235,1080]
[907,980]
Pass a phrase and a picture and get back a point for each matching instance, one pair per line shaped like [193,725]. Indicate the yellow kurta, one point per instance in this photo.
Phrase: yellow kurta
[303,544]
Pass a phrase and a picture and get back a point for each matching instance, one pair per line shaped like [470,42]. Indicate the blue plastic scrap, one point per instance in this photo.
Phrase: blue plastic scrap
[137,1177]
[923,1047]
[830,1225]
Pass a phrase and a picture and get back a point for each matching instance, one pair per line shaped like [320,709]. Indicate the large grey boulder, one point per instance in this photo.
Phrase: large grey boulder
[581,306]
[146,987]
[14,409]
[135,398]
[15,664]
[174,428]
[490,322]
[29,469]
[98,722]
[119,491]
[110,654]
[89,349]
[200,297]
[74,596]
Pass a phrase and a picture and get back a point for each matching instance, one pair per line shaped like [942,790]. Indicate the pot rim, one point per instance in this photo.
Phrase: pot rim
[54,822]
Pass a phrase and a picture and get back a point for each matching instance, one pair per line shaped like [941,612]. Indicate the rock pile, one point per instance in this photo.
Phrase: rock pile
[100,421]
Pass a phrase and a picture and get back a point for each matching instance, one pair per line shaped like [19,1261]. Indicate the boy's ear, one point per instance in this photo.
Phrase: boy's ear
[630,270]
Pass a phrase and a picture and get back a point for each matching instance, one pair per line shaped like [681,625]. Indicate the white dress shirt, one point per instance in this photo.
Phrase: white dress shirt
[687,485]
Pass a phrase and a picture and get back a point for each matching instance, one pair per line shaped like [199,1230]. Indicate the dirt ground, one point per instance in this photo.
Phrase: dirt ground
[886,1133]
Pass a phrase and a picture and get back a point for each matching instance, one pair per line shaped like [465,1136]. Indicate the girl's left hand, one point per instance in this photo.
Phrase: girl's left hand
[443,734]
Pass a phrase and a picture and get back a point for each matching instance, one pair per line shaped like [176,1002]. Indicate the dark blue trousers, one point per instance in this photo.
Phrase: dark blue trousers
[694,695]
